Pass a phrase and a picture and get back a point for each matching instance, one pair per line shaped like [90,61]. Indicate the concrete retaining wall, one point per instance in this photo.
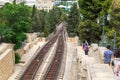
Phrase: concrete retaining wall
[20,51]
[31,37]
[97,53]
[101,52]
[6,64]
[100,72]
[5,46]
[94,46]
[29,45]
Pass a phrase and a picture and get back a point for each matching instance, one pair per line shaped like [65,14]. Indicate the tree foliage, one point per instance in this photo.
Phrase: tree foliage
[17,58]
[52,18]
[90,11]
[115,23]
[38,21]
[73,21]
[87,29]
[16,19]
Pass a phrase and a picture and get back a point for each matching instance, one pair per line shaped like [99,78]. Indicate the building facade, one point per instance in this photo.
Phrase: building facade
[2,2]
[45,4]
[116,3]
[30,2]
[40,4]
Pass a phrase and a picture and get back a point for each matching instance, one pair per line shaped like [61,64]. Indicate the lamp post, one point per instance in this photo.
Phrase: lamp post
[103,33]
[103,25]
[114,47]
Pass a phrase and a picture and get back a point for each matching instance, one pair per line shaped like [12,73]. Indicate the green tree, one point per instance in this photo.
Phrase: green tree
[115,23]
[90,11]
[38,21]
[2,29]
[17,58]
[52,18]
[34,9]
[47,25]
[16,18]
[87,29]
[73,20]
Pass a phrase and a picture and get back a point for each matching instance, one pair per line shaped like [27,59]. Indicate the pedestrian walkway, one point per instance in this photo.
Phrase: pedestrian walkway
[83,62]
[91,66]
[100,72]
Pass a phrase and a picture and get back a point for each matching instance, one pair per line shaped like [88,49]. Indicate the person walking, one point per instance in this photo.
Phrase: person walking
[108,54]
[86,49]
[117,74]
[116,62]
[117,53]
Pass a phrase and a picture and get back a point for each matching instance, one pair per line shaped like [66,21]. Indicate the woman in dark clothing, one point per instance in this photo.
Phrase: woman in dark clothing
[86,49]
[117,54]
[117,63]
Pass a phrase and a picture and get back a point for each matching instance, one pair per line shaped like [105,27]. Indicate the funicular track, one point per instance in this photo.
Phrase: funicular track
[31,70]
[53,69]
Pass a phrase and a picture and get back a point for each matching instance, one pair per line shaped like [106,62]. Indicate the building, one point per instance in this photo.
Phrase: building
[45,4]
[116,3]
[40,4]
[2,2]
[30,2]
[65,4]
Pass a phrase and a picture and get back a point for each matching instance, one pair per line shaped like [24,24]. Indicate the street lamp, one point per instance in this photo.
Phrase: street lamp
[103,33]
[114,46]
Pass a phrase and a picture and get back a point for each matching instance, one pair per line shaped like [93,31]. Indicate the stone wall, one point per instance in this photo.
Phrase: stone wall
[31,37]
[101,52]
[5,46]
[6,64]
[20,51]
[7,60]
[97,53]
[100,72]
[32,40]
[75,40]
[71,39]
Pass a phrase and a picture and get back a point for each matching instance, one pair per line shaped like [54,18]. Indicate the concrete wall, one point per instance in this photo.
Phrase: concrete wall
[100,72]
[75,40]
[6,63]
[97,53]
[20,51]
[101,52]
[71,39]
[5,46]
[31,37]
[32,40]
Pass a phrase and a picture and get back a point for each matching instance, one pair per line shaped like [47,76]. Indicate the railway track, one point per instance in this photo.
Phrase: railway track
[53,69]
[31,70]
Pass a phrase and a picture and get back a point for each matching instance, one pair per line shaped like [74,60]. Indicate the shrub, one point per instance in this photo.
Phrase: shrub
[17,58]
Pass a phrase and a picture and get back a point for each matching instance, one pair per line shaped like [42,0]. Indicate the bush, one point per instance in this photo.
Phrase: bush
[72,34]
[17,58]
